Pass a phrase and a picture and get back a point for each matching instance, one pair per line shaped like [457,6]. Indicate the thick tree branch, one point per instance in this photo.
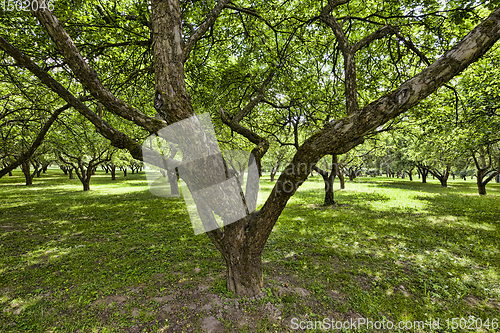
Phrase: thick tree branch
[117,138]
[379,34]
[202,29]
[38,141]
[89,77]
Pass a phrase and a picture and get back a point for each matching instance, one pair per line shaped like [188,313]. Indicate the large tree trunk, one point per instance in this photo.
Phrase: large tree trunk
[497,178]
[113,172]
[70,171]
[481,187]
[243,271]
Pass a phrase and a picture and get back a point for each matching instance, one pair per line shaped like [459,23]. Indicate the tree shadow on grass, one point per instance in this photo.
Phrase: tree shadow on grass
[442,253]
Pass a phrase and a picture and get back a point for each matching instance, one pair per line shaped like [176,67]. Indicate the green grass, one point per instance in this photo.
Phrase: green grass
[120,259]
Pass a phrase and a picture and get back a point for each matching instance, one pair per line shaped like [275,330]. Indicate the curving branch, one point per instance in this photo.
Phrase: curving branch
[118,139]
[38,141]
[349,50]
[89,77]
[202,29]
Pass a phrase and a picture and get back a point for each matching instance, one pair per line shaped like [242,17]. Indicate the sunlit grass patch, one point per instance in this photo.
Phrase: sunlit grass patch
[391,248]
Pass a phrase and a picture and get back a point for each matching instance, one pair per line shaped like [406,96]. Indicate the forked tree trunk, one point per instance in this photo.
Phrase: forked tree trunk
[328,180]
[274,170]
[442,177]
[242,242]
[423,172]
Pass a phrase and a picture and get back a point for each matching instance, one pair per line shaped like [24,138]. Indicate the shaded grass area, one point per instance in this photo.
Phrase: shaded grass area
[120,259]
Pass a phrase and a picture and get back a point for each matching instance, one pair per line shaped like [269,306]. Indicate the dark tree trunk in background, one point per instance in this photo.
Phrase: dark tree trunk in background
[423,172]
[71,176]
[481,187]
[328,180]
[497,178]
[10,173]
[410,174]
[125,172]
[26,169]
[86,185]
[352,173]
[340,173]
[64,169]
[112,168]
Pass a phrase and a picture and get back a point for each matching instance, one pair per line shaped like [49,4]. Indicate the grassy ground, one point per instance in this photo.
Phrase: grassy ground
[118,259]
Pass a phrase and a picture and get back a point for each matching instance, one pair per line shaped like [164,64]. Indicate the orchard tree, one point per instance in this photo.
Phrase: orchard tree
[182,39]
[81,148]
